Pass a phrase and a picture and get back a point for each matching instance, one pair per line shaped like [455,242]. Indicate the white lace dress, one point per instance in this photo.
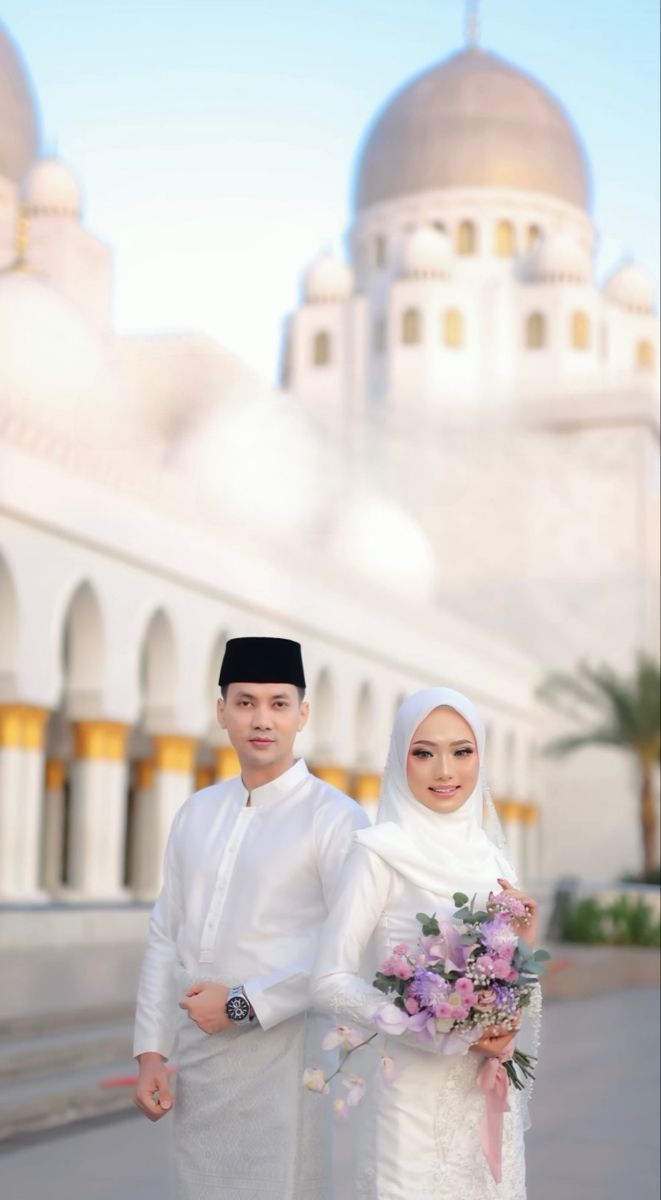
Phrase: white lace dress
[419,1138]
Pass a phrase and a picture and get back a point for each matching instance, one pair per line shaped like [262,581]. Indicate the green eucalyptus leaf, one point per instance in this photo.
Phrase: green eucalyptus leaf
[460,899]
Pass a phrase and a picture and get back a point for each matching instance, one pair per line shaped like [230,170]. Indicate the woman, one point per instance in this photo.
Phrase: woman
[421,1139]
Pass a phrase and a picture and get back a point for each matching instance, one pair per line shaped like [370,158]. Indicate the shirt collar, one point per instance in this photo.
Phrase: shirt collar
[277,789]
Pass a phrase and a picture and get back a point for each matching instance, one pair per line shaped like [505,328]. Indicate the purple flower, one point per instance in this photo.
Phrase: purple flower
[391,1020]
[498,936]
[456,954]
[429,989]
[506,1000]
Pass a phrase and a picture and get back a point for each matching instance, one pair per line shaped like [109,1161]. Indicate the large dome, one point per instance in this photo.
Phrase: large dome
[19,128]
[473,120]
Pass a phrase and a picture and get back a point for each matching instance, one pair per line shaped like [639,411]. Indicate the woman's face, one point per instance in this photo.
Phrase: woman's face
[442,765]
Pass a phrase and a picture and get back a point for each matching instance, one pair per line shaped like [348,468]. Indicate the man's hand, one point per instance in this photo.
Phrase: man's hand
[205,1004]
[152,1094]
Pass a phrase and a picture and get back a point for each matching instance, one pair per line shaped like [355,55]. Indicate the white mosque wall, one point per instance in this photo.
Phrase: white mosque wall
[114,615]
[376,238]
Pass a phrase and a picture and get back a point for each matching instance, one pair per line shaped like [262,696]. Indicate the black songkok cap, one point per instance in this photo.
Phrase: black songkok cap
[262,660]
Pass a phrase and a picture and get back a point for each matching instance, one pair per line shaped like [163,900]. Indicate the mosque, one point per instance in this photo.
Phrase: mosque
[456,481]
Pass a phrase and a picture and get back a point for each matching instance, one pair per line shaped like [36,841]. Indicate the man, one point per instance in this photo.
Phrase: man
[251,869]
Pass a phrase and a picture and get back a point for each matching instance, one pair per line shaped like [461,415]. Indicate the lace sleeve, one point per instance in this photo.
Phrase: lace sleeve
[337,985]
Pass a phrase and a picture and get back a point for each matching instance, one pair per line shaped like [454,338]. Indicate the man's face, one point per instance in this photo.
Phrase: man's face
[262,720]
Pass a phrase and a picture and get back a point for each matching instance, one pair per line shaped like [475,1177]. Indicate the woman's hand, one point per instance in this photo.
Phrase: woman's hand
[494,1043]
[525,928]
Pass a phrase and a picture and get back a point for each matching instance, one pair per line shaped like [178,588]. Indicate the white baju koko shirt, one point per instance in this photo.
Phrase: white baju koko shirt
[246,890]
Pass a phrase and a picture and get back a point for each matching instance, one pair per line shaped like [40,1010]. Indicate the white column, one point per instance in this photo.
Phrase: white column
[53,834]
[97,822]
[21,788]
[532,836]
[163,785]
[510,814]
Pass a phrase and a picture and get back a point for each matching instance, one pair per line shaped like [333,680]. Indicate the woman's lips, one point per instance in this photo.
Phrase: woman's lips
[445,792]
[261,741]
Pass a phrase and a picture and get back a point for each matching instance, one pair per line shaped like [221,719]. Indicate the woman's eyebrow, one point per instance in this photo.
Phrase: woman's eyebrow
[458,742]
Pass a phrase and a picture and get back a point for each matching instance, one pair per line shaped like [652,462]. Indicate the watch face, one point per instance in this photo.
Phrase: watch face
[238,1008]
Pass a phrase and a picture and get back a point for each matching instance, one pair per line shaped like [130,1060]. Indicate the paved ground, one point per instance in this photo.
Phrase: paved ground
[595,1132]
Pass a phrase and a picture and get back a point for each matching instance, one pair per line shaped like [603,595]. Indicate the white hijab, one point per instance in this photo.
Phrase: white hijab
[442,853]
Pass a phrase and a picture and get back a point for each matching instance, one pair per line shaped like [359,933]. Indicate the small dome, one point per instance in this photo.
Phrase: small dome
[559,258]
[54,366]
[376,538]
[632,288]
[259,457]
[426,254]
[19,126]
[328,280]
[50,187]
[473,120]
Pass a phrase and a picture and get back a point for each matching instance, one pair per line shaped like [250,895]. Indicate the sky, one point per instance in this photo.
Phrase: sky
[216,140]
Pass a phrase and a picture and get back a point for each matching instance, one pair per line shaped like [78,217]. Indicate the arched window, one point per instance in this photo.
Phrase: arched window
[645,355]
[535,331]
[533,236]
[380,251]
[580,330]
[453,328]
[467,238]
[412,327]
[321,348]
[504,242]
[379,334]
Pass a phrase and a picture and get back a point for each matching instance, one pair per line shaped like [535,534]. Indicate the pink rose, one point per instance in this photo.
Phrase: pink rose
[412,1006]
[485,1000]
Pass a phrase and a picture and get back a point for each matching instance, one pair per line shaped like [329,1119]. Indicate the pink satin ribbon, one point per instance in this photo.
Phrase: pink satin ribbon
[493,1081]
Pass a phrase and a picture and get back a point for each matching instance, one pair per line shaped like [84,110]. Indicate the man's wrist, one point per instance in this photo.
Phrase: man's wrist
[238,1007]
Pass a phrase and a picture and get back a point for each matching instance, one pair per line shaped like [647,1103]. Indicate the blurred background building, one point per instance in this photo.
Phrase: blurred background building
[457,482]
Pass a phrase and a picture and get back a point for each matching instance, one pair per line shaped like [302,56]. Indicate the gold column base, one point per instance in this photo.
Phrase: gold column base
[204,777]
[227,763]
[174,752]
[338,777]
[100,740]
[144,775]
[22,726]
[366,788]
[55,775]
[516,811]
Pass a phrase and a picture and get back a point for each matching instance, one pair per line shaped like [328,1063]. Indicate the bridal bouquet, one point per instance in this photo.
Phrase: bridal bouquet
[465,977]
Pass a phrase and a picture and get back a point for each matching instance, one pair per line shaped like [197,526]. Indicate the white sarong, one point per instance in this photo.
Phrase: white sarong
[244,1126]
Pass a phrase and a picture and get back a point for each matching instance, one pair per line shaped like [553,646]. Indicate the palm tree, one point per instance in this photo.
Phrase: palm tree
[627,717]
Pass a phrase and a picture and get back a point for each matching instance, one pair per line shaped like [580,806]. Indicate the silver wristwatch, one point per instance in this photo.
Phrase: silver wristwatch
[238,1007]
